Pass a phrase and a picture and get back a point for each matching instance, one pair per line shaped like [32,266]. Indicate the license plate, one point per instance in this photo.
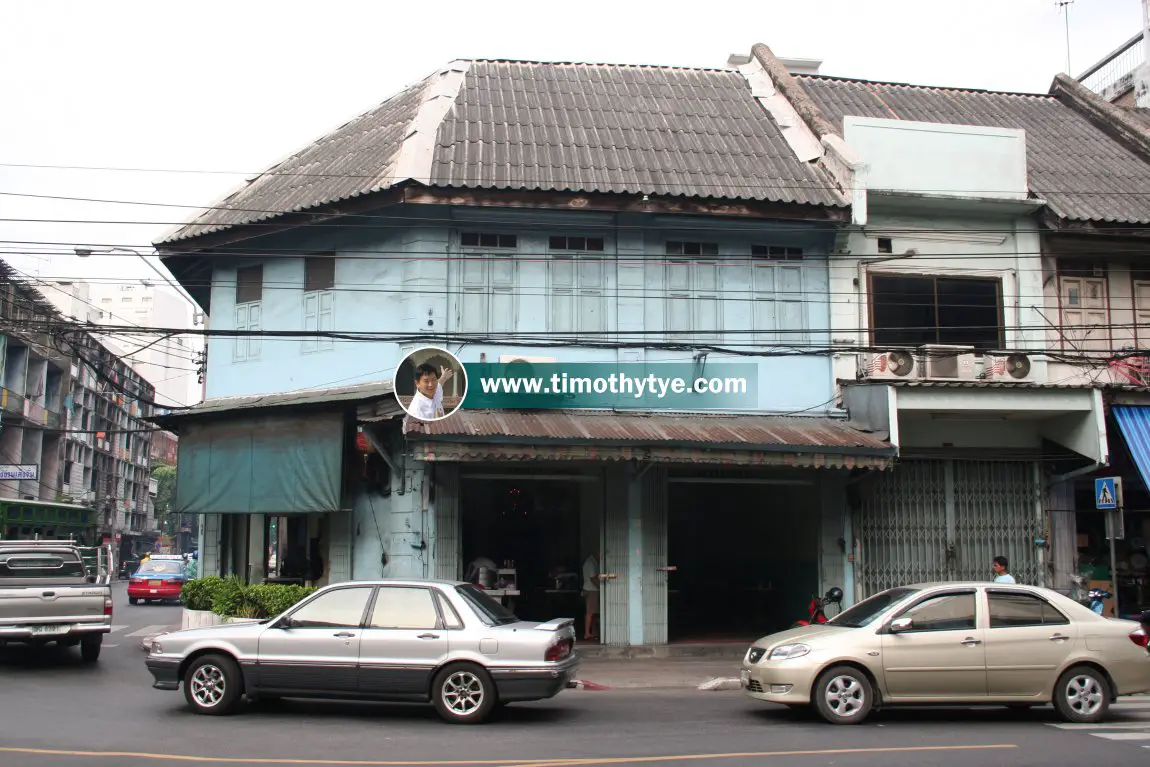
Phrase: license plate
[745,677]
[155,591]
[42,630]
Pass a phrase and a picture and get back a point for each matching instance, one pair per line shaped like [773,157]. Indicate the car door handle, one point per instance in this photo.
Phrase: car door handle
[1059,638]
[429,636]
[344,635]
[970,641]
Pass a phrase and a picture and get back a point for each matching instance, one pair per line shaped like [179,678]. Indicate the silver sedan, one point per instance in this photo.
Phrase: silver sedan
[392,640]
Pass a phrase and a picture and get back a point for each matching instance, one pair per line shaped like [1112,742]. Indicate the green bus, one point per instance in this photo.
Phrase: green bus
[23,520]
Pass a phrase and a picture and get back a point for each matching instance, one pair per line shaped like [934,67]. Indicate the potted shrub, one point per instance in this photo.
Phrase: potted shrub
[196,595]
[212,600]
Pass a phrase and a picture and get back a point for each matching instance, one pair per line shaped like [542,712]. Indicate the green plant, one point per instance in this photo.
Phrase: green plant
[232,598]
[274,598]
[228,597]
[197,593]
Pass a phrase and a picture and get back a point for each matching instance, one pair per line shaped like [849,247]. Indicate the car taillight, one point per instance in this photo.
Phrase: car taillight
[558,651]
[136,581]
[107,606]
[1140,638]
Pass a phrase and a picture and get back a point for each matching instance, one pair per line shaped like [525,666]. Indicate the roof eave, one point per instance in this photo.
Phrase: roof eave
[887,452]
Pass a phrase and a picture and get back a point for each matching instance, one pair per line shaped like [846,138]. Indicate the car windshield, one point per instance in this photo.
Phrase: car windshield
[866,611]
[490,610]
[162,567]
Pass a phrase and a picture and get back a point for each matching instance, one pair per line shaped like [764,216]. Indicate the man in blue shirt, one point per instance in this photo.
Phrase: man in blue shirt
[1000,574]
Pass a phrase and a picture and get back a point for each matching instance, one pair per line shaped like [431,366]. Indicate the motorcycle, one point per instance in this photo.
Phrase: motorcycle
[817,607]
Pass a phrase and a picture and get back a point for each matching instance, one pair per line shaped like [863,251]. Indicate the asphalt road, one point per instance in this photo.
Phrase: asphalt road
[56,712]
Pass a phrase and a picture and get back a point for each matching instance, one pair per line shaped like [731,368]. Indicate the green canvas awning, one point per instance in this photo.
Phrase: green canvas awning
[271,463]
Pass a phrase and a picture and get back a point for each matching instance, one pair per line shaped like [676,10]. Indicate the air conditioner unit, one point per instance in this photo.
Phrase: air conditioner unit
[506,359]
[947,362]
[1008,366]
[894,365]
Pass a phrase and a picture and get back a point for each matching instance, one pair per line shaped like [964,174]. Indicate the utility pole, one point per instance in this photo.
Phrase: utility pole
[1064,5]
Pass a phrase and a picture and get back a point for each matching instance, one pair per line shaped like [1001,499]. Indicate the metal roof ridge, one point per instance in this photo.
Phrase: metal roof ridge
[917,86]
[606,64]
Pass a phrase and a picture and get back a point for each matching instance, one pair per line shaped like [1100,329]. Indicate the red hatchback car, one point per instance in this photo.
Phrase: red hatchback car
[158,579]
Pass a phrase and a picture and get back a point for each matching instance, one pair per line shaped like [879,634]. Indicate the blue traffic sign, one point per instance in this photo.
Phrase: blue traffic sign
[1106,493]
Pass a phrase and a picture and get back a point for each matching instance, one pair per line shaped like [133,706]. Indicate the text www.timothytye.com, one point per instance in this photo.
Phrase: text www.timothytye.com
[615,383]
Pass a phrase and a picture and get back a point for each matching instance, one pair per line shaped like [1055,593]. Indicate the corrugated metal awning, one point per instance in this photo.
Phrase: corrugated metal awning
[727,440]
[379,395]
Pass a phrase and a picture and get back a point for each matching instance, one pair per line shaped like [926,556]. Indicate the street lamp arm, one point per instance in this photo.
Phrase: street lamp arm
[85,252]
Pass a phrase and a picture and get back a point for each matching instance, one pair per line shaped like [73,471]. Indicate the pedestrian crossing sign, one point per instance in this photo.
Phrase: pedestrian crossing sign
[1106,492]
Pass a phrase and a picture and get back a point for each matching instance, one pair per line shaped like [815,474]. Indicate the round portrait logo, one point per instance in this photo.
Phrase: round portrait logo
[430,383]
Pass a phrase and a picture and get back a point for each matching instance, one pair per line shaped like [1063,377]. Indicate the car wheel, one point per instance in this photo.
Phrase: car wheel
[90,647]
[133,600]
[464,694]
[843,695]
[1082,695]
[213,685]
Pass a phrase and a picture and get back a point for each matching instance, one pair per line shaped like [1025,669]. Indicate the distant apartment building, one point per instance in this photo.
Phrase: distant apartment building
[170,364]
[76,453]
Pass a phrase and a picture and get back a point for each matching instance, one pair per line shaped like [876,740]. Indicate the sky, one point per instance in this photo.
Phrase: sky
[198,96]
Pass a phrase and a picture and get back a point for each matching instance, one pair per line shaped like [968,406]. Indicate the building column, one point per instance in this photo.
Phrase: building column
[635,558]
[257,549]
[1063,536]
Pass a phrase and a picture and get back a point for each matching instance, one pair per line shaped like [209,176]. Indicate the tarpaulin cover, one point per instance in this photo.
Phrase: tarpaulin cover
[1134,423]
[268,464]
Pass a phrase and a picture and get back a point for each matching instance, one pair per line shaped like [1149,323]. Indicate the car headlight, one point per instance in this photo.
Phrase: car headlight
[157,648]
[755,654]
[789,651]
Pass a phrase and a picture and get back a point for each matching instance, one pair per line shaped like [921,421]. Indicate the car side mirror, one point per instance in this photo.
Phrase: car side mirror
[899,625]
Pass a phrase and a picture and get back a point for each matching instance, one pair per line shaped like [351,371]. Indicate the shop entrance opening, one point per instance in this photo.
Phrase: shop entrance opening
[528,541]
[745,557]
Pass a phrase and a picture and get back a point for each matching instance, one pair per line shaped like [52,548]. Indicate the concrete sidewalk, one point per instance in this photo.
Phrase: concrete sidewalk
[709,674]
[659,674]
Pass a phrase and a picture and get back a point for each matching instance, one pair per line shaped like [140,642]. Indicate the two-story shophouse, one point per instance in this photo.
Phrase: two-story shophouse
[972,370]
[542,212]
[1097,289]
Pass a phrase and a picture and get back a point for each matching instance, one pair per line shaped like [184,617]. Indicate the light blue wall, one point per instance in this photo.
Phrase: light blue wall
[394,275]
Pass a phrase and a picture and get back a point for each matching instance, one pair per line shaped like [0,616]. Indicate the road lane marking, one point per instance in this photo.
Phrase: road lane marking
[1123,735]
[149,630]
[120,628]
[512,762]
[1103,726]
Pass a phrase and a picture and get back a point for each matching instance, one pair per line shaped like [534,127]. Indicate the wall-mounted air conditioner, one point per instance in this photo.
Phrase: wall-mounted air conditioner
[893,365]
[944,362]
[1011,366]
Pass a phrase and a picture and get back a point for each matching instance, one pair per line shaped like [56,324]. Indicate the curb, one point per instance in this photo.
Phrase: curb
[581,684]
[146,643]
[721,683]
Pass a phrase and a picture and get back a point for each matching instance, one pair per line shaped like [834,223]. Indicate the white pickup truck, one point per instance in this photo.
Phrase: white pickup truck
[55,591]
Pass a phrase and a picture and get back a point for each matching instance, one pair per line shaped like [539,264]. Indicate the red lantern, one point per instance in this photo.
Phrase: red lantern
[362,443]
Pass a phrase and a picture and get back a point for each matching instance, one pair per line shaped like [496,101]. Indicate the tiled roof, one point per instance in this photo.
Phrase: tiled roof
[588,128]
[1083,173]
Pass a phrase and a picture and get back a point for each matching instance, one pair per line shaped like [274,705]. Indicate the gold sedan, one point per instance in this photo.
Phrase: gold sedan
[953,643]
